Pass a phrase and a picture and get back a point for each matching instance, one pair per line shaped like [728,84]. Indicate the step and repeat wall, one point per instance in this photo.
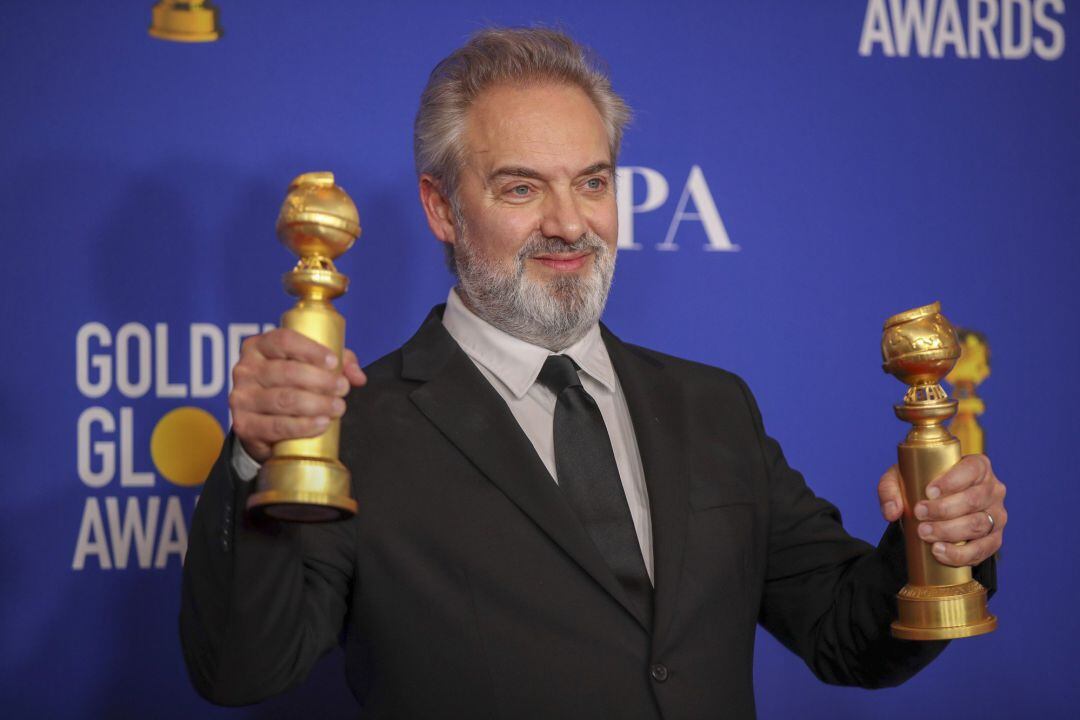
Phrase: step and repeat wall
[796,172]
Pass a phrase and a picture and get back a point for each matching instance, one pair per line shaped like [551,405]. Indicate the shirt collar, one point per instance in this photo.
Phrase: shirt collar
[513,361]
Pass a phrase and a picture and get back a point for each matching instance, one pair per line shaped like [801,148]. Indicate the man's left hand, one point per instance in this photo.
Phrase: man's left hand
[959,507]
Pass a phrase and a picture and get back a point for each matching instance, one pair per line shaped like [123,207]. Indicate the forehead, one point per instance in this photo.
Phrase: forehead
[549,127]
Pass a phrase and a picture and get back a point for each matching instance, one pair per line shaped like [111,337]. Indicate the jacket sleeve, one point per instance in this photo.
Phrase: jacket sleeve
[261,600]
[829,597]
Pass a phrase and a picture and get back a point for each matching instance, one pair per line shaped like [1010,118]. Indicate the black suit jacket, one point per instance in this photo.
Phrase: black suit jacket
[465,587]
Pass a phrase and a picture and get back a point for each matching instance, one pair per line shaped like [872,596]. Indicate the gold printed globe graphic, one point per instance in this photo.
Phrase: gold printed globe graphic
[184,445]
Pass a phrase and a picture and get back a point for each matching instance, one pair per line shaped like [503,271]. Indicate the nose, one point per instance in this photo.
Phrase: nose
[562,217]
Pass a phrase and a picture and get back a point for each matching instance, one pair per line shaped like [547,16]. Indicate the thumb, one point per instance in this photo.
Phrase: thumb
[351,368]
[890,495]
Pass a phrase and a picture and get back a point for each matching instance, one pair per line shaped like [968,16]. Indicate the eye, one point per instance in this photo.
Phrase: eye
[595,183]
[520,190]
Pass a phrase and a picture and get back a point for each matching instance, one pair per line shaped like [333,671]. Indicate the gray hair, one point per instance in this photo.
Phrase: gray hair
[503,55]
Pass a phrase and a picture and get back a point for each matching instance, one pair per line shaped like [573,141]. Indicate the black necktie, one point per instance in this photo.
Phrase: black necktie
[588,475]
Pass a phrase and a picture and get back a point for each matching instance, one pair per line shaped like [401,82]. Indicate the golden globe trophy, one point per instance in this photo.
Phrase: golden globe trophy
[304,481]
[939,602]
[185,21]
[971,370]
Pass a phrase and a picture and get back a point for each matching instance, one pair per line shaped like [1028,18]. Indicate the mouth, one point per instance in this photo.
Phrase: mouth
[563,262]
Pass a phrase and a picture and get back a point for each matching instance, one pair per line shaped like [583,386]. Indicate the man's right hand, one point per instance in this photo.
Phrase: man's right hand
[287,386]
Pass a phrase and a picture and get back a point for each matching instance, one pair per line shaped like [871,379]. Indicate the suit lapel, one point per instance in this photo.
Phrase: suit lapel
[460,401]
[657,412]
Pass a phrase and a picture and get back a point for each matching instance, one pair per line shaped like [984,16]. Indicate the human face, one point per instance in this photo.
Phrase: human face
[535,221]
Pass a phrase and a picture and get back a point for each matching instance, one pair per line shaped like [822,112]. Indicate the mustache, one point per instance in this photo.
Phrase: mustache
[542,245]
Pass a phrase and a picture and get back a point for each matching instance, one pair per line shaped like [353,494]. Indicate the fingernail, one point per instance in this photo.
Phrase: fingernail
[331,361]
[932,492]
[338,407]
[926,529]
[322,422]
[939,548]
[890,508]
[921,512]
[342,386]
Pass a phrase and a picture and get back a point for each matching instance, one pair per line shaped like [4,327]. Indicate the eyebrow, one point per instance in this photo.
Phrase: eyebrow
[515,171]
[597,168]
[527,172]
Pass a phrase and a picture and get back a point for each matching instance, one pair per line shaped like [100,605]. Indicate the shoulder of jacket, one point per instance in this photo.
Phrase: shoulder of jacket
[690,369]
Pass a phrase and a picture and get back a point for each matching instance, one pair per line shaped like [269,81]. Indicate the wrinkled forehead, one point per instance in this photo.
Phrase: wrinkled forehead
[554,128]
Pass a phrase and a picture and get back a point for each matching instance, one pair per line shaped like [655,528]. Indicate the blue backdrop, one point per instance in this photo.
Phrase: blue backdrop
[796,172]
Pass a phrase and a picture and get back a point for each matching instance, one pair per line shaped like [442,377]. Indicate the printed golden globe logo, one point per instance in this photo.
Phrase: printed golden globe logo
[184,445]
[129,518]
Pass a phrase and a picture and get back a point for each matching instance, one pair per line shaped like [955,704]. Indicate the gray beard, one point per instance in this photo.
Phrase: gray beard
[553,315]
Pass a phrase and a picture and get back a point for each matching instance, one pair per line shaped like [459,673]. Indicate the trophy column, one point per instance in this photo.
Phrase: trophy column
[303,481]
[939,602]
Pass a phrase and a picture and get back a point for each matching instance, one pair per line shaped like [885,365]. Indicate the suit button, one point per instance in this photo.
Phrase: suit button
[659,672]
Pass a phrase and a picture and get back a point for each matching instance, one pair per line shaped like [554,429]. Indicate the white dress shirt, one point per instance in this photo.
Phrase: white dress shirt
[512,366]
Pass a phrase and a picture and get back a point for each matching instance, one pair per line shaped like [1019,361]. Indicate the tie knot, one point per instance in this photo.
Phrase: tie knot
[559,372]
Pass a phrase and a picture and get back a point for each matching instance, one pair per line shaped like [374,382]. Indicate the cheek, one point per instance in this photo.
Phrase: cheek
[605,222]
[502,236]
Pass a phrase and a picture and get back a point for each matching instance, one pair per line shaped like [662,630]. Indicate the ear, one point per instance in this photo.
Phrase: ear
[437,208]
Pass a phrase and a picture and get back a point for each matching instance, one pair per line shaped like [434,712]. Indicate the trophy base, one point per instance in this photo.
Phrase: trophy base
[942,612]
[301,489]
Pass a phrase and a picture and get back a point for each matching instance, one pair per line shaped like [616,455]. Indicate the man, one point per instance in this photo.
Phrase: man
[552,523]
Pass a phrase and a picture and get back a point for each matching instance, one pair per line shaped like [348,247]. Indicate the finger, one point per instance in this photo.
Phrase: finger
[969,527]
[270,429]
[295,403]
[246,371]
[351,367]
[1001,517]
[975,499]
[970,470]
[971,553]
[257,451]
[890,495]
[300,375]
[286,344]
